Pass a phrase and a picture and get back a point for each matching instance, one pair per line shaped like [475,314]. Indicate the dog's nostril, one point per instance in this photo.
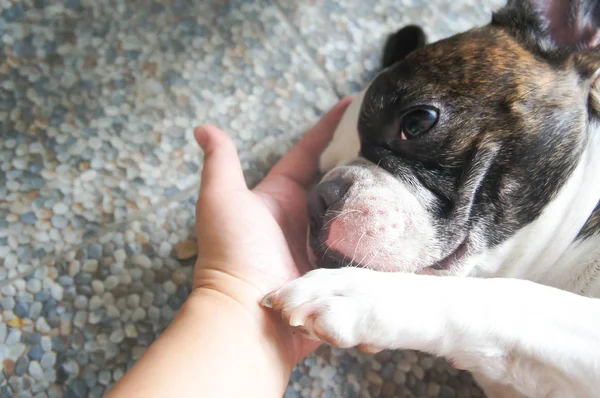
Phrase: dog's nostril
[332,191]
[325,195]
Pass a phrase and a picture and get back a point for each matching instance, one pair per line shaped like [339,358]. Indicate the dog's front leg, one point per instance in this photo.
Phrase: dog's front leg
[540,340]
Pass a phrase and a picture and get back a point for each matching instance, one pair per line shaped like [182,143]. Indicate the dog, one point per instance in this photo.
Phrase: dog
[460,210]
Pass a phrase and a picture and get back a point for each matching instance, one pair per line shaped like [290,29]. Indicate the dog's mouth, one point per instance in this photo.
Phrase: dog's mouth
[447,262]
[322,256]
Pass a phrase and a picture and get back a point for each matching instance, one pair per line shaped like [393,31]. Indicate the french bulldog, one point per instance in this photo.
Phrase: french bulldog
[460,210]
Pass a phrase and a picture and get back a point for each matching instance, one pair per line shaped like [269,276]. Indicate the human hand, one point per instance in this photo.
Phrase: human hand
[252,242]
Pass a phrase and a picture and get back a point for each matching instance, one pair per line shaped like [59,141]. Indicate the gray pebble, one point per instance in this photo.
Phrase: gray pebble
[90,346]
[71,367]
[117,374]
[120,255]
[80,319]
[111,282]
[97,286]
[124,279]
[167,312]
[81,302]
[153,314]
[15,350]
[35,353]
[90,266]
[96,316]
[82,357]
[141,261]
[164,249]
[21,366]
[14,336]
[3,332]
[46,343]
[117,336]
[11,261]
[133,301]
[138,314]
[35,310]
[136,273]
[112,350]
[25,297]
[112,311]
[50,377]
[146,300]
[32,338]
[94,251]
[29,218]
[36,371]
[57,291]
[79,388]
[83,278]
[91,377]
[48,360]
[8,290]
[130,331]
[97,391]
[34,285]
[42,326]
[20,310]
[169,287]
[60,208]
[65,280]
[59,222]
[116,269]
[95,303]
[7,303]
[104,377]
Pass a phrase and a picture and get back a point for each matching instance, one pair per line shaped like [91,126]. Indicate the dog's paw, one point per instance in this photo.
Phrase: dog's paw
[333,306]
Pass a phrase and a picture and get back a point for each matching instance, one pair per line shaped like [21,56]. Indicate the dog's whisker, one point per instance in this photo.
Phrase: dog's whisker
[339,215]
[334,243]
[356,248]
[363,259]
[371,260]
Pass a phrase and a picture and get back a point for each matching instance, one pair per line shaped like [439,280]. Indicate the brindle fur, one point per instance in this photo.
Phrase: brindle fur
[494,88]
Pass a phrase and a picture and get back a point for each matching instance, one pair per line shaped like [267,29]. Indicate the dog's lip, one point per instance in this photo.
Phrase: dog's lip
[321,255]
[458,253]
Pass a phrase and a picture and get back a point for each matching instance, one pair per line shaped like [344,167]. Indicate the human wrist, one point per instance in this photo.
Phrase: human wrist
[236,305]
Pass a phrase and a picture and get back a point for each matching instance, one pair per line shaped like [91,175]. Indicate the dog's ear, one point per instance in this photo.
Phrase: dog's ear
[402,43]
[564,25]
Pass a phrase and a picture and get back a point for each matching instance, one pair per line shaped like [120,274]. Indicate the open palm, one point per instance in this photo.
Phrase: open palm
[257,237]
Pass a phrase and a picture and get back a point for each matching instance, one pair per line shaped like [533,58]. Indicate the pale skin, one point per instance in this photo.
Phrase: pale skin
[222,343]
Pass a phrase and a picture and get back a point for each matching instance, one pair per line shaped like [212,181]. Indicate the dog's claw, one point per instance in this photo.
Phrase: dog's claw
[267,301]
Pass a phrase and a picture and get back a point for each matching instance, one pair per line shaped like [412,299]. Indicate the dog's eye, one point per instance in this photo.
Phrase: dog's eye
[417,122]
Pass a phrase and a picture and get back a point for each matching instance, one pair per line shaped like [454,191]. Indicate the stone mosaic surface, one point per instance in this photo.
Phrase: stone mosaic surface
[98,170]
[346,36]
[73,327]
[98,100]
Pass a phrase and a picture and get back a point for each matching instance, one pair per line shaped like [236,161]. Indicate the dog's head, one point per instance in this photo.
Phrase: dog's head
[461,143]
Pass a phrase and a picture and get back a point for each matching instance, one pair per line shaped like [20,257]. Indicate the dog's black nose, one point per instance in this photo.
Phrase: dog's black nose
[323,197]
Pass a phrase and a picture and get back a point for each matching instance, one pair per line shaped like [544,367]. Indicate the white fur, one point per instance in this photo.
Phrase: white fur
[515,329]
[384,223]
[540,340]
[543,251]
[345,144]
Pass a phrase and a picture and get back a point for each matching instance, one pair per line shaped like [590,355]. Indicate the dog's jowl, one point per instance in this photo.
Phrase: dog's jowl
[460,209]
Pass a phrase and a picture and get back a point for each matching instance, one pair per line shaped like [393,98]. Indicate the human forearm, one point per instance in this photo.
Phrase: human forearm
[213,348]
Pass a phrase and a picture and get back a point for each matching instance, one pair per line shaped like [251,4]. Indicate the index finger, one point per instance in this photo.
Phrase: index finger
[300,163]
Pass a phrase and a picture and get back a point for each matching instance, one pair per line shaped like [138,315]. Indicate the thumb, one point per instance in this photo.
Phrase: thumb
[222,168]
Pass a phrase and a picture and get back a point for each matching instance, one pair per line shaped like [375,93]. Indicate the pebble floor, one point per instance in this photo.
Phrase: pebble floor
[99,172]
